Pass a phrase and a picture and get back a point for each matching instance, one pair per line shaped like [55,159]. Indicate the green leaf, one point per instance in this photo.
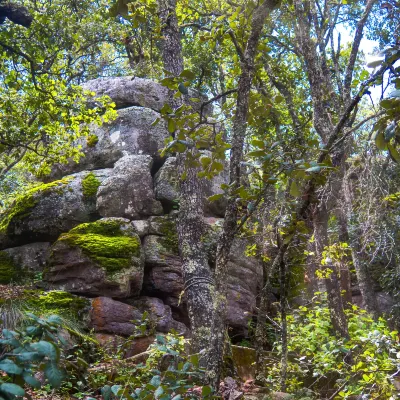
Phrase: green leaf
[395,93]
[106,392]
[31,380]
[294,189]
[256,153]
[393,152]
[46,349]
[182,88]
[12,389]
[187,74]
[155,380]
[380,140]
[158,392]
[53,374]
[316,168]
[10,367]
[206,391]
[215,197]
[171,125]
[115,389]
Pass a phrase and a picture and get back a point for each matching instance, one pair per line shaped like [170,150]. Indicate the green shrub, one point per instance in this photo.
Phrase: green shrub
[364,365]
[26,351]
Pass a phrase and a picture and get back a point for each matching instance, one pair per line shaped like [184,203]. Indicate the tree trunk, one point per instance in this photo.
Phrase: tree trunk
[355,235]
[338,318]
[345,277]
[215,355]
[191,227]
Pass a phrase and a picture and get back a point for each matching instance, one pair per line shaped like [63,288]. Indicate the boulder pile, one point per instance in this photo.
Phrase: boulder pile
[105,228]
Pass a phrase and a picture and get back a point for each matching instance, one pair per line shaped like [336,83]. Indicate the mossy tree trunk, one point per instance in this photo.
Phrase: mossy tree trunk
[198,284]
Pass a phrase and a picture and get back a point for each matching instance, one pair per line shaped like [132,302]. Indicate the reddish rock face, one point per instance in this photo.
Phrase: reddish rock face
[112,344]
[110,316]
[114,317]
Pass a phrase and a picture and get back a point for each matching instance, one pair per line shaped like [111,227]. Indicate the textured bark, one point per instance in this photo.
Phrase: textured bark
[191,228]
[15,13]
[171,47]
[364,279]
[335,303]
[215,355]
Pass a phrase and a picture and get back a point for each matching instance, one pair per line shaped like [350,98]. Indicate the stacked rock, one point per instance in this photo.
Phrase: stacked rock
[105,228]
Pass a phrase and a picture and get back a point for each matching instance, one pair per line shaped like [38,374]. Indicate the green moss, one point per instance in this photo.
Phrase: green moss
[92,140]
[167,227]
[56,302]
[106,243]
[7,268]
[90,184]
[23,204]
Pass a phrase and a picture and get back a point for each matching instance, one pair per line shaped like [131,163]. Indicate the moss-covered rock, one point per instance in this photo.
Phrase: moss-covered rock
[8,270]
[92,140]
[46,211]
[23,204]
[98,258]
[57,302]
[90,184]
[111,243]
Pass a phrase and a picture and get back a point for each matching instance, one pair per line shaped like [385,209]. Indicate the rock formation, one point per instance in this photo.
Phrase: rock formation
[105,228]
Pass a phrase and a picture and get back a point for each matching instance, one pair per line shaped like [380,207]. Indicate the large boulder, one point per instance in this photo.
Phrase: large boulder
[46,211]
[128,91]
[128,191]
[111,316]
[160,315]
[102,258]
[132,132]
[163,269]
[166,186]
[23,262]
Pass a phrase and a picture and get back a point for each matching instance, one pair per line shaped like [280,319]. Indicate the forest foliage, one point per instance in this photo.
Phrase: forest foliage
[310,125]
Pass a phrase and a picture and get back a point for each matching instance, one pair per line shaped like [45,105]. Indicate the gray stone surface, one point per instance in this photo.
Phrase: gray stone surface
[131,133]
[51,209]
[128,91]
[30,257]
[128,191]
[166,186]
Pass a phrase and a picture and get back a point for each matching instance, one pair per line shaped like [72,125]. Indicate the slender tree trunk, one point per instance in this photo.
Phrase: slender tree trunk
[215,355]
[345,277]
[191,227]
[338,318]
[355,235]
[283,274]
